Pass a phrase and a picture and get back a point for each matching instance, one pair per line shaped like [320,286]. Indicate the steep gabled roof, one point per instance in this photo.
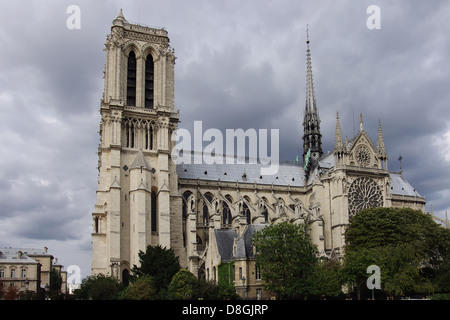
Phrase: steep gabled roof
[224,241]
[399,186]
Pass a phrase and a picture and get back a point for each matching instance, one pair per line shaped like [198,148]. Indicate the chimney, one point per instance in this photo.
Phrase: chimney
[45,249]
[19,254]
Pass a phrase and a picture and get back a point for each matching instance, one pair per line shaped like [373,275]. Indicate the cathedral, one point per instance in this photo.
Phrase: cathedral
[207,213]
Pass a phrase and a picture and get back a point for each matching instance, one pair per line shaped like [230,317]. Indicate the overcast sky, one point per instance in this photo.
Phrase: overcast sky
[240,64]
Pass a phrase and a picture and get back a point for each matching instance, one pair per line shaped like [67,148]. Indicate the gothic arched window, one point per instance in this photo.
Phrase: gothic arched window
[131,79]
[205,217]
[246,213]
[149,77]
[184,214]
[154,204]
[226,214]
[126,277]
[148,136]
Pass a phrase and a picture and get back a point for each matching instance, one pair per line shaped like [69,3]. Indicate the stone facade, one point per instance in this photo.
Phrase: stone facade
[28,269]
[136,194]
[207,212]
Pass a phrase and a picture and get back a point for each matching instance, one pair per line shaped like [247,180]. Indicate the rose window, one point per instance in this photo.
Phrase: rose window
[363,156]
[364,193]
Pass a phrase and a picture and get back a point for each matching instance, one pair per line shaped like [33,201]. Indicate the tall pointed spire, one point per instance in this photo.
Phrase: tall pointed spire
[338,142]
[312,139]
[361,127]
[310,96]
[382,154]
[380,143]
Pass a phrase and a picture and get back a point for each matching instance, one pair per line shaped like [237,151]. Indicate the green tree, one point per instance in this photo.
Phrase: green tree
[206,290]
[99,287]
[55,280]
[142,288]
[378,227]
[407,245]
[354,270]
[182,286]
[226,281]
[159,263]
[326,280]
[400,271]
[55,284]
[286,257]
[442,273]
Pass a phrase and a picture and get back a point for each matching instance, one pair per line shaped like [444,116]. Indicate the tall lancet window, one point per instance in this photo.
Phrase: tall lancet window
[149,77]
[154,211]
[131,79]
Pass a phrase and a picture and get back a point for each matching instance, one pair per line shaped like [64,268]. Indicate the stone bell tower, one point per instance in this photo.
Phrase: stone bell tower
[137,197]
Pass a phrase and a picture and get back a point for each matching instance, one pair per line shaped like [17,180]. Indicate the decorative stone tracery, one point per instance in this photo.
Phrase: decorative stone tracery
[364,193]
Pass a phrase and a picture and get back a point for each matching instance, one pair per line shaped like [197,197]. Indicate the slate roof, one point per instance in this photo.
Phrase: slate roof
[244,248]
[225,239]
[399,186]
[11,255]
[289,174]
[249,172]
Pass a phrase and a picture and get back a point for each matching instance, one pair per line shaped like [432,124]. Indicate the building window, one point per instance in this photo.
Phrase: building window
[184,214]
[96,224]
[125,277]
[265,215]
[24,273]
[149,136]
[246,213]
[154,203]
[226,216]
[130,133]
[257,272]
[234,273]
[205,210]
[364,193]
[2,273]
[131,79]
[149,77]
[13,273]
[258,294]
